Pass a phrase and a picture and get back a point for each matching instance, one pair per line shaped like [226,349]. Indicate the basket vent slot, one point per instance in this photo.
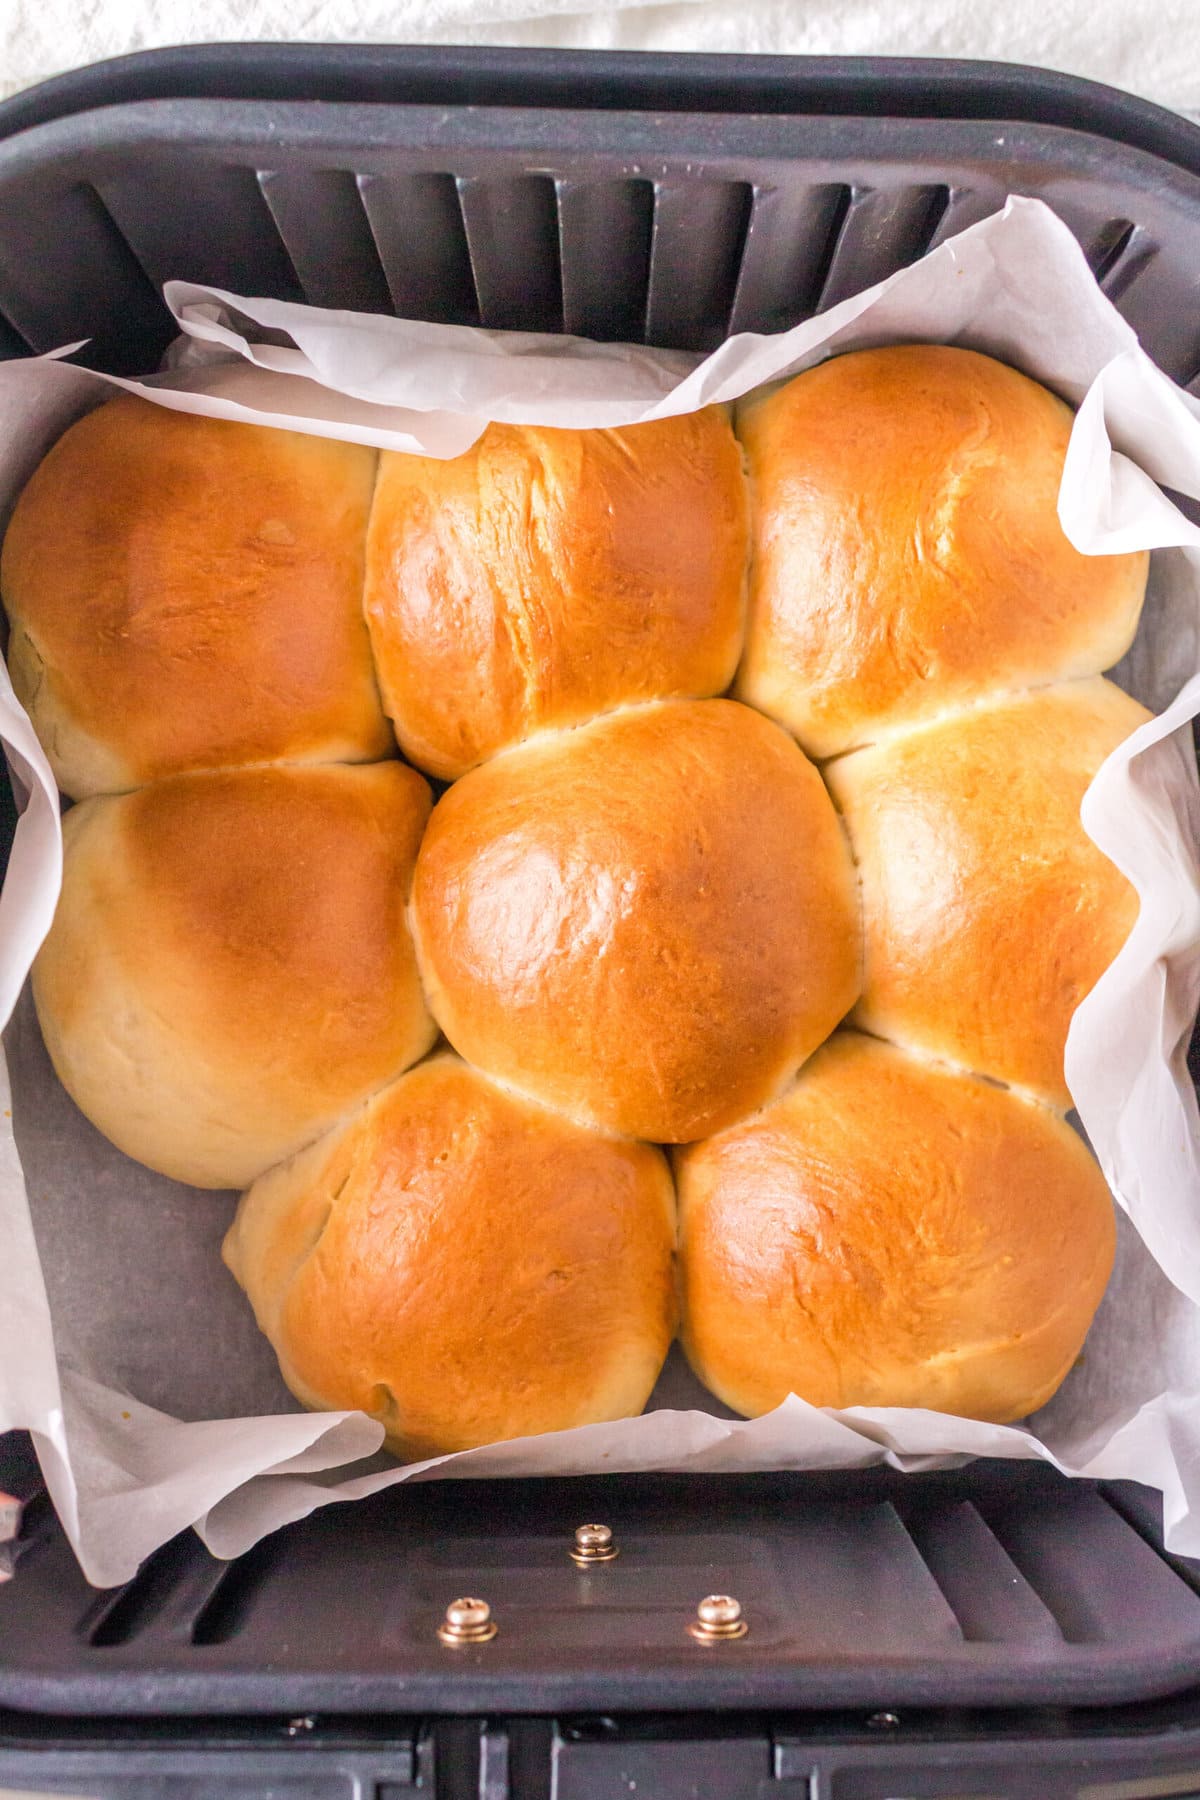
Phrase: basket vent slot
[1109,246]
[790,240]
[931,206]
[985,1590]
[1083,1562]
[966,206]
[1047,1561]
[226,237]
[125,1614]
[417,227]
[38,1519]
[605,230]
[222,1615]
[1125,265]
[78,278]
[320,219]
[884,229]
[808,247]
[512,236]
[695,257]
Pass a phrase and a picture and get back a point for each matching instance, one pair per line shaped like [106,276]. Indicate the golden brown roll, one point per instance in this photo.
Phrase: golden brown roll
[988,911]
[548,575]
[230,969]
[463,1265]
[185,593]
[649,921]
[907,551]
[891,1233]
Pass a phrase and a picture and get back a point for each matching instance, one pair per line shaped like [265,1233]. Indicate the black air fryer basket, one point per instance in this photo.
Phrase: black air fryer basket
[992,1631]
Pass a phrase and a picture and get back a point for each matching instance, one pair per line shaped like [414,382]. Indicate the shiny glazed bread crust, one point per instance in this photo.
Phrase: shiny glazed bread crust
[989,912]
[647,919]
[463,1265]
[189,593]
[546,576]
[649,922]
[230,968]
[891,1233]
[185,593]
[907,554]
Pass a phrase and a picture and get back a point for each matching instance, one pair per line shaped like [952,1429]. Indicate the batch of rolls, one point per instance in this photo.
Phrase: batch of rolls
[718,986]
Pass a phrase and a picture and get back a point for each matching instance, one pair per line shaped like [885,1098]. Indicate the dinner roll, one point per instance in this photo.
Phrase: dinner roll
[891,1233]
[186,593]
[988,911]
[547,575]
[649,921]
[907,551]
[229,969]
[463,1265]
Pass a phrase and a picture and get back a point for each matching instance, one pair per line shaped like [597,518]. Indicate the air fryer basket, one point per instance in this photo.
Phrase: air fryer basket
[673,227]
[672,200]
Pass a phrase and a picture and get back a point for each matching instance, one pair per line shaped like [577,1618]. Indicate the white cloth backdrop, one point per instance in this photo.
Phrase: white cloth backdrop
[1151,47]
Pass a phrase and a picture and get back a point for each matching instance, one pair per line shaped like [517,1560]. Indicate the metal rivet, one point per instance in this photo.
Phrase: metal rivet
[467,1621]
[883,1721]
[718,1618]
[593,1544]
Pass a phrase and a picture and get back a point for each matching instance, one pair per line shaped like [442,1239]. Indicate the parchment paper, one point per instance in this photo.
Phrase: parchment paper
[126,1347]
